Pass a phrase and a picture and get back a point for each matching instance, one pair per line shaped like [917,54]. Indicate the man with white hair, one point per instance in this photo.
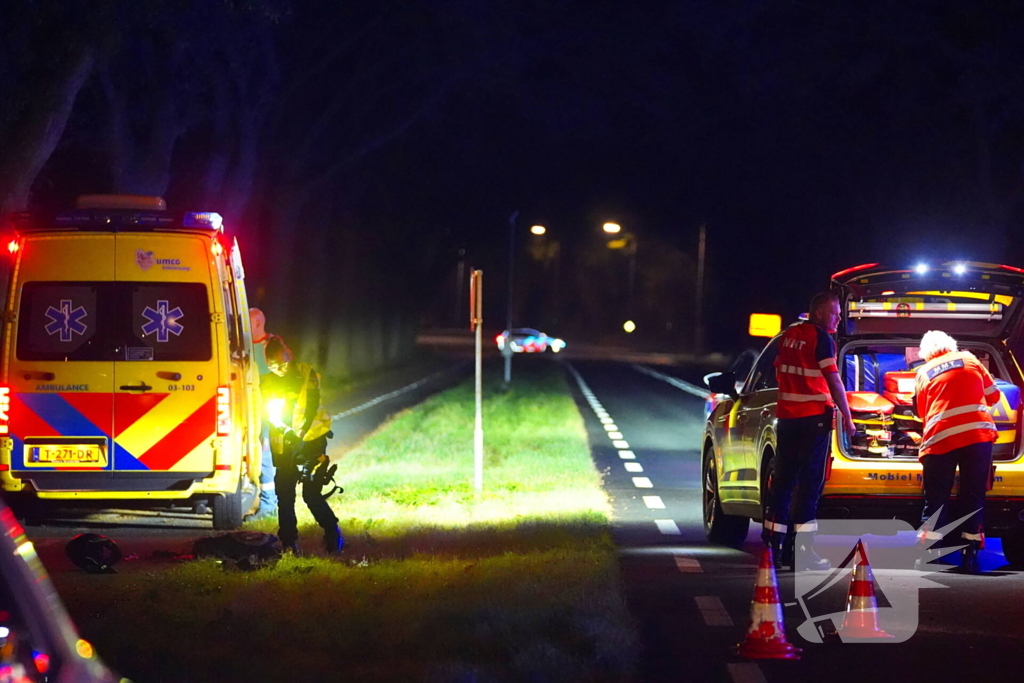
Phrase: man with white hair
[954,392]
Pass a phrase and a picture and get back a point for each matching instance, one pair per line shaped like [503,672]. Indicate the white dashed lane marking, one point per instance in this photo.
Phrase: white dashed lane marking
[668,527]
[665,526]
[688,565]
[713,611]
[745,672]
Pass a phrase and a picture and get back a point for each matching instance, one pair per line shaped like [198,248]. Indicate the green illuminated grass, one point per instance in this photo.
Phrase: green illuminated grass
[436,583]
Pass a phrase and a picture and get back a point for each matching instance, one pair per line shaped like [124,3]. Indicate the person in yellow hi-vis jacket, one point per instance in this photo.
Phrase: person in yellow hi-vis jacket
[299,429]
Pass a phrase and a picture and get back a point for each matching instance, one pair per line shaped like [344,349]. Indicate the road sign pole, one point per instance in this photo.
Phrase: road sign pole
[476,298]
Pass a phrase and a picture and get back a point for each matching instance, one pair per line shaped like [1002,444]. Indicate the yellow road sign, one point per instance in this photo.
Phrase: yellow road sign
[764,324]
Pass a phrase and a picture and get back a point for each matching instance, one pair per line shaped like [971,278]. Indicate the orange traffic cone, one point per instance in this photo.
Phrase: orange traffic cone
[766,637]
[861,620]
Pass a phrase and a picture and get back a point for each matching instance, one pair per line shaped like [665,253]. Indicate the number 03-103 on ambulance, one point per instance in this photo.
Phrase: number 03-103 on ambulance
[127,369]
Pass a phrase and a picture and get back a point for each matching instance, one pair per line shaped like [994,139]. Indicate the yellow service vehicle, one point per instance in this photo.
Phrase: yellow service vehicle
[876,474]
[126,371]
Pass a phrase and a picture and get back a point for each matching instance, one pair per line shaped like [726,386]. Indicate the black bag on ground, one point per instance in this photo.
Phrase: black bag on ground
[244,550]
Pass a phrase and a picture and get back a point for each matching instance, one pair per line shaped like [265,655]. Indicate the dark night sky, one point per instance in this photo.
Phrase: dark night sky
[808,136]
[809,139]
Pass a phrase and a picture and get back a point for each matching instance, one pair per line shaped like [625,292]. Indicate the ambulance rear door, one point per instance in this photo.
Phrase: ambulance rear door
[60,368]
[166,375]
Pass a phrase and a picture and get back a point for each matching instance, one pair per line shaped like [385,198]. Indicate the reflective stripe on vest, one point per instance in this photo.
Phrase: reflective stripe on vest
[803,389]
[952,391]
[321,423]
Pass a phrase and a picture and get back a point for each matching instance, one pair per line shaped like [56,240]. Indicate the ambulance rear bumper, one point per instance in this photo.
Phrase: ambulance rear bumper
[1001,514]
[162,484]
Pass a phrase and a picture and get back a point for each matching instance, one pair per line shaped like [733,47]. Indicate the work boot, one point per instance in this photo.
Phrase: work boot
[805,559]
[969,559]
[333,541]
[788,546]
[775,542]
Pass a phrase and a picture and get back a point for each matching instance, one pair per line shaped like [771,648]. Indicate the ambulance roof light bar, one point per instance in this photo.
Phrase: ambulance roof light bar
[203,219]
[117,220]
[136,202]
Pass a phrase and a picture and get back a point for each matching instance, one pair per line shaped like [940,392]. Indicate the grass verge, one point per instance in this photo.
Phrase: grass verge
[436,583]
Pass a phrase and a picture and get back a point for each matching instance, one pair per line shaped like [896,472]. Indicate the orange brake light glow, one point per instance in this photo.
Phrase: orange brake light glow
[863,266]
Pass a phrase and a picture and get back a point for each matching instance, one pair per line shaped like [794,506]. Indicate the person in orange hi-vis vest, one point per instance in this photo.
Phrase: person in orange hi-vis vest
[810,391]
[954,393]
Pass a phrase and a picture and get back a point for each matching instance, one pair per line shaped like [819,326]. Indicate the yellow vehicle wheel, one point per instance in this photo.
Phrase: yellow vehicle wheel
[721,528]
[767,479]
[229,509]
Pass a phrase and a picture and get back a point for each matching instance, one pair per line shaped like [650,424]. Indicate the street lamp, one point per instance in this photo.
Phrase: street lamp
[627,242]
[538,230]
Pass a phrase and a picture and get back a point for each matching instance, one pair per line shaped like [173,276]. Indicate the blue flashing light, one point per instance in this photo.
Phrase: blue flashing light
[959,269]
[203,219]
[921,268]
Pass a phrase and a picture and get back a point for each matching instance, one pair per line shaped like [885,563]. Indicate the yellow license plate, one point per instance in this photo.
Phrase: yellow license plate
[65,454]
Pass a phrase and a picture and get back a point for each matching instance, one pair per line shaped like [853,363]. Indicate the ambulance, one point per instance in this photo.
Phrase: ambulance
[875,474]
[126,371]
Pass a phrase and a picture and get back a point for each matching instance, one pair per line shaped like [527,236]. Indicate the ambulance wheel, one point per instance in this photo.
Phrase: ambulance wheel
[719,527]
[1013,548]
[229,508]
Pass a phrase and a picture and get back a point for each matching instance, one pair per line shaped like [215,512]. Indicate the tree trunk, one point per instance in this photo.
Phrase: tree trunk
[34,137]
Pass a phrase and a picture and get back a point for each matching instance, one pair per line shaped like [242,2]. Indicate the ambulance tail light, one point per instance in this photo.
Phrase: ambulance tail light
[5,411]
[13,246]
[223,411]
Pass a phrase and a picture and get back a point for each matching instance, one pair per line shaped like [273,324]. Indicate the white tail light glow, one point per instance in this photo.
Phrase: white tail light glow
[223,411]
[5,410]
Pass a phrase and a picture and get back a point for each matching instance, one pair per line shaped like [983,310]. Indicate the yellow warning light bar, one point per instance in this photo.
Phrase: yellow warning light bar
[960,311]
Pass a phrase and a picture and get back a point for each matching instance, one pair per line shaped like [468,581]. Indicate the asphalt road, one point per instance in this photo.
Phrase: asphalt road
[692,598]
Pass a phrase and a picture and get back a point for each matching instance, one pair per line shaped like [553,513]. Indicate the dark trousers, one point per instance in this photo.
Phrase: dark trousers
[975,463]
[799,471]
[286,480]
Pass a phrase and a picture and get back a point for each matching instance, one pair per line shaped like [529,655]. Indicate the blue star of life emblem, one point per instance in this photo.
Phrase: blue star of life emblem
[162,321]
[66,321]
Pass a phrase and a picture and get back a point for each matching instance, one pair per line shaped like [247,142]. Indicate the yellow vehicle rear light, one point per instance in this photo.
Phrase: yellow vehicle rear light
[223,411]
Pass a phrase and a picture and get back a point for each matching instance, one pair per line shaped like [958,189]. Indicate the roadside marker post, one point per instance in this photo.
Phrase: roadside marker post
[476,319]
